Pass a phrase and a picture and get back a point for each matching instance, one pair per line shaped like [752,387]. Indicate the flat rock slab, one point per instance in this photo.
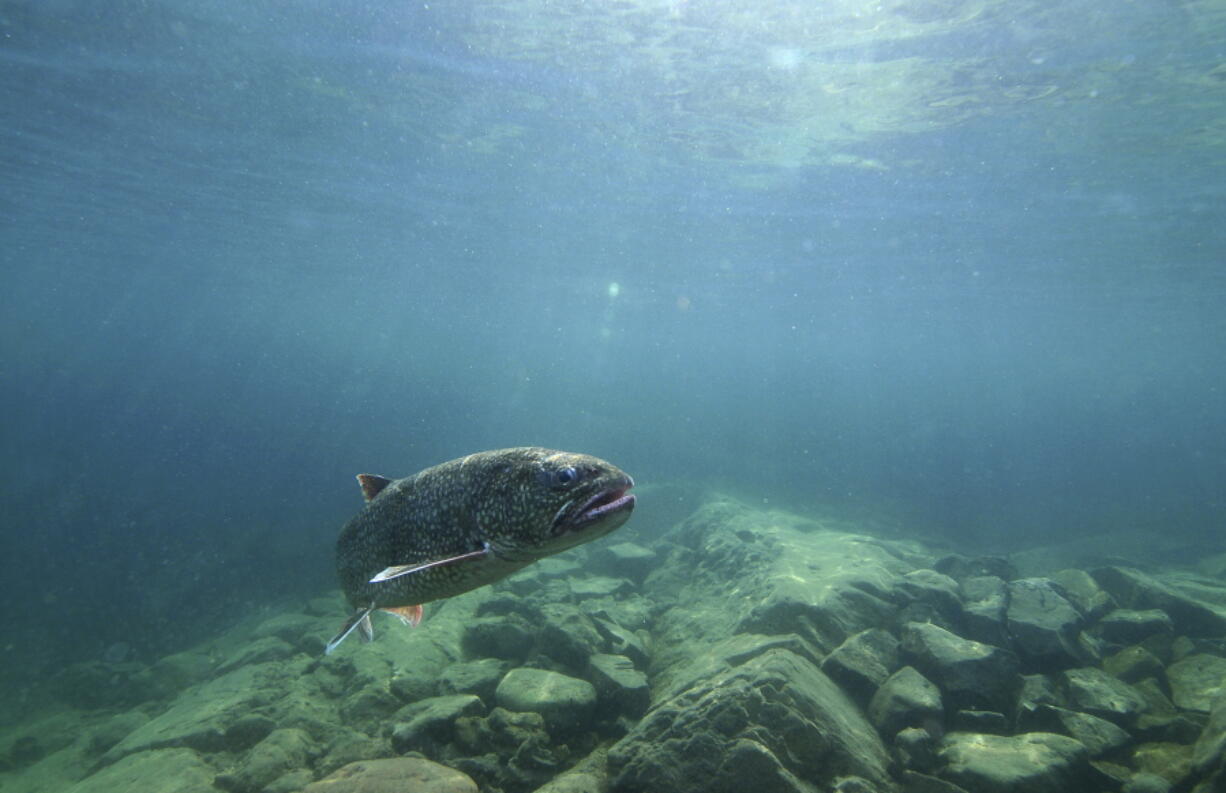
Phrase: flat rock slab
[1195,607]
[394,775]
[160,771]
[764,725]
[198,718]
[564,702]
[1197,681]
[1034,762]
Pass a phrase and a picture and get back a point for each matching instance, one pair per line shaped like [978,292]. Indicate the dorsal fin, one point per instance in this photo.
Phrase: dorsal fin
[372,484]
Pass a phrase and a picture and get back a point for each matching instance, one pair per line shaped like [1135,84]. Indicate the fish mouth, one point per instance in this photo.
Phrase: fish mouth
[610,502]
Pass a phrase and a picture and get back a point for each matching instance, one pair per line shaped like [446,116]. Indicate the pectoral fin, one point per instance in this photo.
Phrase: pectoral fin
[397,571]
[360,619]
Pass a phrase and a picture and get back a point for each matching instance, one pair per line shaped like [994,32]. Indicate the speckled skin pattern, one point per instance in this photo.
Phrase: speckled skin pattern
[526,503]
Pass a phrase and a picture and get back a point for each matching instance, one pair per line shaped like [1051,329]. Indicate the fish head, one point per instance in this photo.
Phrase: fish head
[552,501]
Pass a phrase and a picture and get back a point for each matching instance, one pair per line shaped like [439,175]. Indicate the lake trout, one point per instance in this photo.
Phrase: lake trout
[470,522]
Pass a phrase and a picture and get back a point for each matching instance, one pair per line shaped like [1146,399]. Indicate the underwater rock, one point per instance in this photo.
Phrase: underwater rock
[199,717]
[1093,691]
[1171,761]
[621,641]
[426,725]
[260,651]
[915,782]
[1144,782]
[626,560]
[916,748]
[970,674]
[1122,627]
[368,706]
[803,727]
[513,750]
[115,729]
[394,775]
[501,637]
[568,635]
[863,662]
[620,688]
[161,770]
[589,775]
[566,703]
[961,567]
[1038,690]
[1197,681]
[478,677]
[970,720]
[279,753]
[1080,589]
[928,596]
[247,731]
[292,628]
[983,612]
[1209,753]
[1132,664]
[906,699]
[1099,736]
[1133,589]
[1043,625]
[347,746]
[1035,762]
[600,586]
[173,673]
[740,570]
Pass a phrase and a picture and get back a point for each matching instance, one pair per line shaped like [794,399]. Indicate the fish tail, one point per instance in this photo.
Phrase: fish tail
[360,619]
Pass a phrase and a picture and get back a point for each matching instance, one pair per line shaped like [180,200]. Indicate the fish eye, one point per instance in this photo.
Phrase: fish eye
[565,476]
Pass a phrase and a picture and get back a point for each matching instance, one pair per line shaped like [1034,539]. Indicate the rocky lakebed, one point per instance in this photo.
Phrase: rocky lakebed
[741,650]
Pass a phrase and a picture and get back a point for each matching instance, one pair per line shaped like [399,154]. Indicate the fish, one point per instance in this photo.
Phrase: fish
[469,522]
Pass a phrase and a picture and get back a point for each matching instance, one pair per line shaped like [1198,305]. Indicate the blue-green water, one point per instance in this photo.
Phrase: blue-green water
[953,267]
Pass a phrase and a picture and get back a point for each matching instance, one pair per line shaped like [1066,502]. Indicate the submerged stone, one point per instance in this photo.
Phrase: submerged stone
[970,674]
[775,714]
[394,775]
[1035,762]
[564,702]
[1197,681]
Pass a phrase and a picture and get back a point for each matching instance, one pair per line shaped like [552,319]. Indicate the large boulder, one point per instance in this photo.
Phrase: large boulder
[1195,605]
[1197,681]
[1093,691]
[394,775]
[906,699]
[1043,624]
[971,674]
[165,771]
[765,725]
[566,703]
[1035,762]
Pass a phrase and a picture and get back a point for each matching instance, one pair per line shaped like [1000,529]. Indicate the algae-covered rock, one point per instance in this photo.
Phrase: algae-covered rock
[281,752]
[970,674]
[620,688]
[1035,762]
[394,775]
[983,612]
[1191,613]
[478,677]
[156,771]
[198,718]
[1093,691]
[906,699]
[863,662]
[1197,681]
[767,722]
[1129,626]
[627,560]
[1043,624]
[566,703]
[424,725]
[260,651]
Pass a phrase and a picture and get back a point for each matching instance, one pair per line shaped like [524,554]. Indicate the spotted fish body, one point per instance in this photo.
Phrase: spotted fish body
[470,522]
